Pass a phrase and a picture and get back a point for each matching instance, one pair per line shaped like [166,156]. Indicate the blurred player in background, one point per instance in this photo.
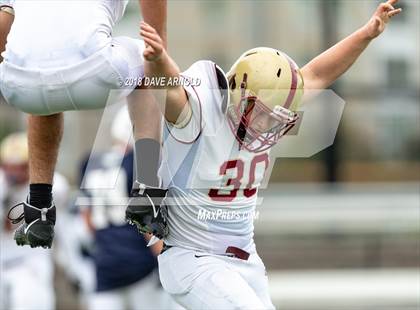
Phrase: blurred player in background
[60,56]
[23,270]
[215,156]
[126,269]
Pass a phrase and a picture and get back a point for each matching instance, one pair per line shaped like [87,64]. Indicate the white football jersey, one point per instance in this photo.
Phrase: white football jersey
[212,183]
[49,30]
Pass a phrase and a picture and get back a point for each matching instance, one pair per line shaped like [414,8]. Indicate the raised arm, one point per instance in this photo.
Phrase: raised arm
[324,69]
[154,13]
[159,64]
[6,21]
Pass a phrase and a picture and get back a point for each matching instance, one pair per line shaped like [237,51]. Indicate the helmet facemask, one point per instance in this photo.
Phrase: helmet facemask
[256,127]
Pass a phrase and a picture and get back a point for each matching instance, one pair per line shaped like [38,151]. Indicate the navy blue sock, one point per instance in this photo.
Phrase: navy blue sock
[40,195]
[147,159]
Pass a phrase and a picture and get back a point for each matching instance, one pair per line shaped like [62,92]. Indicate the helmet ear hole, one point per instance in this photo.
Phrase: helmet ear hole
[279,72]
[232,82]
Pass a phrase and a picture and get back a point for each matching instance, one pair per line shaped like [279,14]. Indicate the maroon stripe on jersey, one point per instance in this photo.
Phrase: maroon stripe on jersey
[293,87]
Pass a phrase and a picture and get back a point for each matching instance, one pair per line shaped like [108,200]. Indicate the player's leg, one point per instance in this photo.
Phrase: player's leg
[255,274]
[154,13]
[146,119]
[144,110]
[127,57]
[145,113]
[44,136]
[205,282]
[220,289]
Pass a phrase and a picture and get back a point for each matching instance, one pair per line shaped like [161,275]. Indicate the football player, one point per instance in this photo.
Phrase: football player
[60,56]
[215,153]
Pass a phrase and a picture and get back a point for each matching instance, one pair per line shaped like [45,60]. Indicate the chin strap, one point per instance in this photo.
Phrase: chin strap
[241,129]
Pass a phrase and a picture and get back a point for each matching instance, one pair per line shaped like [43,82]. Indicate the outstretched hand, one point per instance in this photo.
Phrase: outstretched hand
[154,43]
[381,17]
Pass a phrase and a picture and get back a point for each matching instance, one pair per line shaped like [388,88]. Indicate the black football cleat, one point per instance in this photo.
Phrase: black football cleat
[38,229]
[145,211]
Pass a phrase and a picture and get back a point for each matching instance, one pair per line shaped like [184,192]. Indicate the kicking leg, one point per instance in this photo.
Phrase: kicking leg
[146,117]
[144,111]
[154,13]
[143,209]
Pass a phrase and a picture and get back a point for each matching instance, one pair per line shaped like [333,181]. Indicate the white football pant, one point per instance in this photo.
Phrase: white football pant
[27,284]
[76,82]
[200,280]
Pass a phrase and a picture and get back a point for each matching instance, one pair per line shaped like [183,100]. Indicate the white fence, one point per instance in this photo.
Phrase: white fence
[391,289]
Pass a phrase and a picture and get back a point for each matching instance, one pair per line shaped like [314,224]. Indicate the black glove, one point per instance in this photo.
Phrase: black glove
[145,210]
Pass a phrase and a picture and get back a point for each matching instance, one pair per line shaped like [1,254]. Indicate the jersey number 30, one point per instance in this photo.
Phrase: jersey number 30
[238,165]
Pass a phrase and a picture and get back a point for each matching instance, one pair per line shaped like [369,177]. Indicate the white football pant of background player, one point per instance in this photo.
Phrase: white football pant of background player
[145,294]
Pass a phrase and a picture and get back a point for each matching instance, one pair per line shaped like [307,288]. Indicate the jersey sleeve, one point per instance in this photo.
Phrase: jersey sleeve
[201,86]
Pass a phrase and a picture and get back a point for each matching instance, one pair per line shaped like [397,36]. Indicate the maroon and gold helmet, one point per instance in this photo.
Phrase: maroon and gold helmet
[266,88]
